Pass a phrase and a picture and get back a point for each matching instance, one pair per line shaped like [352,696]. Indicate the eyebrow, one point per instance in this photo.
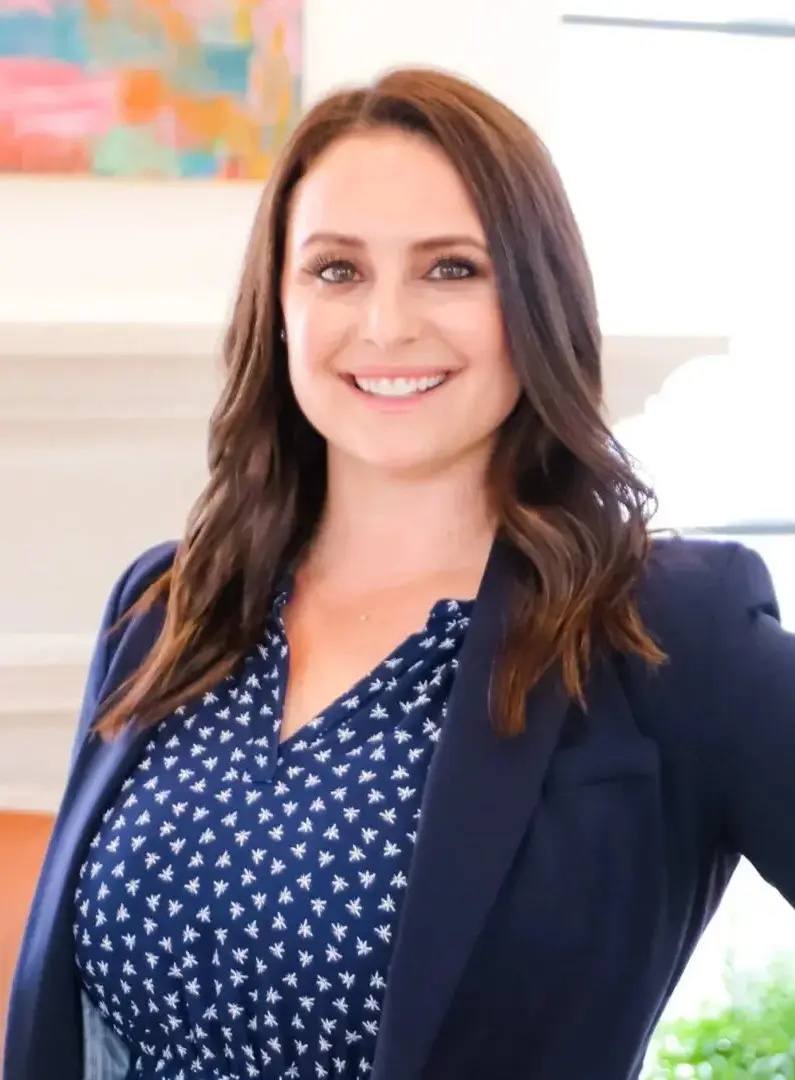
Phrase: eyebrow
[430,243]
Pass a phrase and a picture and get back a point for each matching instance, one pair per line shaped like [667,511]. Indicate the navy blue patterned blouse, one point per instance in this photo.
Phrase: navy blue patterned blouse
[237,907]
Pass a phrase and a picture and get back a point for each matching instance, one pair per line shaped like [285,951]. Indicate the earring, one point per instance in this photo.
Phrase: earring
[283,334]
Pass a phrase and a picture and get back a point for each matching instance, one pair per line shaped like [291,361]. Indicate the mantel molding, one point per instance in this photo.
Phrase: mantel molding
[111,341]
[119,341]
[76,372]
[161,370]
[42,673]
[41,686]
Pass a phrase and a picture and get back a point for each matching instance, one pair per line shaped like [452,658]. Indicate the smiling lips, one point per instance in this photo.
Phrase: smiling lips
[401,386]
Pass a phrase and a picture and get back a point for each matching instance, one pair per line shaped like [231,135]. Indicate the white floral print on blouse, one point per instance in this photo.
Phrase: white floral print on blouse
[237,908]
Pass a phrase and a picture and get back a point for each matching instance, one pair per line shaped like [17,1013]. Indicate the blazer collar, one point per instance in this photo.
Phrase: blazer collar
[480,794]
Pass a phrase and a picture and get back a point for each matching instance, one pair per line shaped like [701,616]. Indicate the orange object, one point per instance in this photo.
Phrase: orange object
[141,95]
[23,841]
[98,9]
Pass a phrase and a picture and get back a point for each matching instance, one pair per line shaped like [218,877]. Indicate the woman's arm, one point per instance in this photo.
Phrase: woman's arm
[748,752]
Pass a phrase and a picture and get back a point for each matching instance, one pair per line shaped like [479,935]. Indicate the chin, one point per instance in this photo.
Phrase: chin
[407,462]
[403,465]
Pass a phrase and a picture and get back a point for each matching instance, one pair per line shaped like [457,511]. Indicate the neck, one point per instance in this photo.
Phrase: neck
[380,527]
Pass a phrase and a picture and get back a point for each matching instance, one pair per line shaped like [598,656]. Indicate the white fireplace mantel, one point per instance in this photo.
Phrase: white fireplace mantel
[102,451]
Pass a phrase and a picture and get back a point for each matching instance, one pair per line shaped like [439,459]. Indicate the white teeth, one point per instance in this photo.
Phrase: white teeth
[400,387]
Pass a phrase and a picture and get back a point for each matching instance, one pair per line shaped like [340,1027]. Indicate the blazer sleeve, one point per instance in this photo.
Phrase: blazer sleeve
[749,726]
[128,588]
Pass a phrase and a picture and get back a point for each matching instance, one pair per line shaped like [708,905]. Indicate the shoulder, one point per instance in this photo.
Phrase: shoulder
[114,631]
[129,588]
[693,584]
[712,608]
[138,576]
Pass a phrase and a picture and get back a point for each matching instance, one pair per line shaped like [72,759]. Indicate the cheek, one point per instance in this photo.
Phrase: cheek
[309,336]
[317,334]
[499,393]
[313,339]
[481,339]
[306,375]
[314,383]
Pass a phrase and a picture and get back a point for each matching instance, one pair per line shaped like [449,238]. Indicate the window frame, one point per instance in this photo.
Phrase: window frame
[738,529]
[744,27]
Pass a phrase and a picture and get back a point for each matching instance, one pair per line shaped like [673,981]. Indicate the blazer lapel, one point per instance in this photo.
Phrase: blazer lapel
[46,998]
[480,794]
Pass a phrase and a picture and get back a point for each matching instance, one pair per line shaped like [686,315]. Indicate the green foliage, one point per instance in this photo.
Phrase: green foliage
[752,1036]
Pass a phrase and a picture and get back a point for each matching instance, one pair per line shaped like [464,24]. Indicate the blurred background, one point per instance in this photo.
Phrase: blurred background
[128,184]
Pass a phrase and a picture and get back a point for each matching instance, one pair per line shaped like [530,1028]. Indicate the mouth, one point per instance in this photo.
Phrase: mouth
[402,386]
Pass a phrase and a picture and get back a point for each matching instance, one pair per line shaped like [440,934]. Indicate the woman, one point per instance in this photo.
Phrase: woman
[417,757]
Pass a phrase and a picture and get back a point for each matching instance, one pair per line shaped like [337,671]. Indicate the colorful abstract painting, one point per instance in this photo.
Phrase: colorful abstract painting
[148,88]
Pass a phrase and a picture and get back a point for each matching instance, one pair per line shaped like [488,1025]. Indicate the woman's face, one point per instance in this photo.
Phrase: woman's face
[395,338]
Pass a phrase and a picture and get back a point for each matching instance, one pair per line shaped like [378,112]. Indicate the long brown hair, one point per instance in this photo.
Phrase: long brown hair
[569,503]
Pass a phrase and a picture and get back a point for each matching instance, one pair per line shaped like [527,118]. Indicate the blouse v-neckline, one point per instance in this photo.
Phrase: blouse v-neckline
[453,615]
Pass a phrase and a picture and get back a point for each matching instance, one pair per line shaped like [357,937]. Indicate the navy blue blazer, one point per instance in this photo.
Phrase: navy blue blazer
[562,878]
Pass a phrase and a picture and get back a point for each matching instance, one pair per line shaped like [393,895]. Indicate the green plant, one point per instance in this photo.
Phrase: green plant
[752,1036]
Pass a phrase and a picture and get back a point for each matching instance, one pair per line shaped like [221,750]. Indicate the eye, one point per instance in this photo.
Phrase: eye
[453,269]
[335,271]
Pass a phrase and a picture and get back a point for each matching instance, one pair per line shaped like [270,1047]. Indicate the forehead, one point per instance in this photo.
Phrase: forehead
[387,183]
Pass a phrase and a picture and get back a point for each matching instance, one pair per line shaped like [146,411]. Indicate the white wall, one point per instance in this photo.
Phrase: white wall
[75,250]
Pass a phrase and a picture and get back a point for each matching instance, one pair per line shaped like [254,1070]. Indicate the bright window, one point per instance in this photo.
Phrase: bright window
[674,141]
[718,12]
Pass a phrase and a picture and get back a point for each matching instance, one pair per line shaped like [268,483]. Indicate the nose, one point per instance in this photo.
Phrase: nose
[389,316]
